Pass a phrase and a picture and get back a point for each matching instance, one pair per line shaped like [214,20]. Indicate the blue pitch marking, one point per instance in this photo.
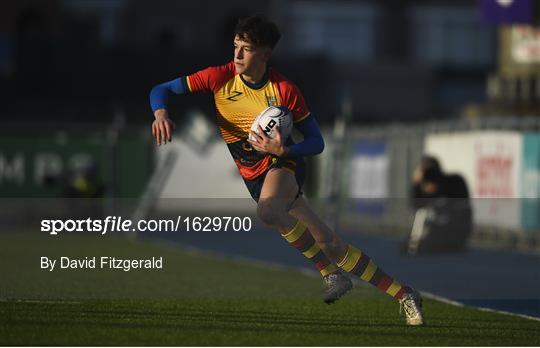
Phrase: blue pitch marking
[506,281]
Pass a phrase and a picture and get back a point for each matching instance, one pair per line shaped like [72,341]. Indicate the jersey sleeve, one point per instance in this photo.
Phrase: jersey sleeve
[313,142]
[210,79]
[292,98]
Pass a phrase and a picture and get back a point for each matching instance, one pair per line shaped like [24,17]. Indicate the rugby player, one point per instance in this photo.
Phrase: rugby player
[273,169]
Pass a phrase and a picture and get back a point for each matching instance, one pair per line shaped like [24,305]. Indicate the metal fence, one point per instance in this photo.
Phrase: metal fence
[391,213]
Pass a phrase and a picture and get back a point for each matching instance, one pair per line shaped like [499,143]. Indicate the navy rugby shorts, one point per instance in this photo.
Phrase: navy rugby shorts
[295,165]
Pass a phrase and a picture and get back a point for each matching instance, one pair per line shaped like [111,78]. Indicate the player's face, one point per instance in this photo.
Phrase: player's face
[248,58]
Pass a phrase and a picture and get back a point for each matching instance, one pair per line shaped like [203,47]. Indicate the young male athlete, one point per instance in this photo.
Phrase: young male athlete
[273,168]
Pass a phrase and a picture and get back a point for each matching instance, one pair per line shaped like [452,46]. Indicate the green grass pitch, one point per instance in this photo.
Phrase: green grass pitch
[209,300]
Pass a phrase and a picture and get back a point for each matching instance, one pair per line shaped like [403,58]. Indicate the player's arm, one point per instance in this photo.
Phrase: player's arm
[206,80]
[163,126]
[313,143]
[304,121]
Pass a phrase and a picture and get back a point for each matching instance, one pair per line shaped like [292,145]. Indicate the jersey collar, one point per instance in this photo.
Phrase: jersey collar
[259,84]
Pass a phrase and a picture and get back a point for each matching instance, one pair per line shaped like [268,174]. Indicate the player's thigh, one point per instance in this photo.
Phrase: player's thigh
[279,186]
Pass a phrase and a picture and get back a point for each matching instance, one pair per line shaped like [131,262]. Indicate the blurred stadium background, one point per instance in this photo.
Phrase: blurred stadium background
[388,82]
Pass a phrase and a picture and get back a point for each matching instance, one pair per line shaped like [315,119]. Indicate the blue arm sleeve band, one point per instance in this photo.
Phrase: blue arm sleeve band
[313,143]
[159,95]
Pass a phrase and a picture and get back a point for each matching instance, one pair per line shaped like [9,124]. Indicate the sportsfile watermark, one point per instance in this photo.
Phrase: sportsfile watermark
[120,224]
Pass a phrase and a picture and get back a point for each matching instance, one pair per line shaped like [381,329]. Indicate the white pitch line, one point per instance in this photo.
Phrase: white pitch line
[524,316]
[441,299]
[483,309]
[312,273]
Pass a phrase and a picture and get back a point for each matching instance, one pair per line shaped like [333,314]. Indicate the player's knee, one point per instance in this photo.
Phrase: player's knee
[270,211]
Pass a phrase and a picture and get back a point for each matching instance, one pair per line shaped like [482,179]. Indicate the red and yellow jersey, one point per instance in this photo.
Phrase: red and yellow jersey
[238,103]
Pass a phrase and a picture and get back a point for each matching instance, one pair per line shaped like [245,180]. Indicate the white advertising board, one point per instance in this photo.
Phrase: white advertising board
[490,162]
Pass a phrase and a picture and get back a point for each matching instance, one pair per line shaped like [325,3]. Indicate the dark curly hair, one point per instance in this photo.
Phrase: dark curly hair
[258,30]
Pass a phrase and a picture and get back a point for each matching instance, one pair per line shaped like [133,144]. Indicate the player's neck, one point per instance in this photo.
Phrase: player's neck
[255,77]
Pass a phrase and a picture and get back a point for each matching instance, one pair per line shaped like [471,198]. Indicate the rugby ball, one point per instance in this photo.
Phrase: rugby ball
[271,118]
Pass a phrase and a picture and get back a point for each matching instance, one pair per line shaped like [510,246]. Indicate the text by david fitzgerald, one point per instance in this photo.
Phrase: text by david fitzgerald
[103,262]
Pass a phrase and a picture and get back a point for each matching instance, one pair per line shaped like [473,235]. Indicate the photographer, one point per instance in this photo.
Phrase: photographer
[443,218]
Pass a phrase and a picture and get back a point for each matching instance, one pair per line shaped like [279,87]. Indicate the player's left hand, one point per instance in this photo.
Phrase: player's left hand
[263,143]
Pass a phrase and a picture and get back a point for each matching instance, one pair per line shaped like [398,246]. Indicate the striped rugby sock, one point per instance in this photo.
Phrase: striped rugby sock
[300,238]
[361,265]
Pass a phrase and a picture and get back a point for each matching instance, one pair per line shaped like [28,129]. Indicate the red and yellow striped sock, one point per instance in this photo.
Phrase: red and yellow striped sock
[361,265]
[300,237]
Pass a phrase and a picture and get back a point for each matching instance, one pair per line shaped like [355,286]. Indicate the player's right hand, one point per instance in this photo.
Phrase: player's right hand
[162,127]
